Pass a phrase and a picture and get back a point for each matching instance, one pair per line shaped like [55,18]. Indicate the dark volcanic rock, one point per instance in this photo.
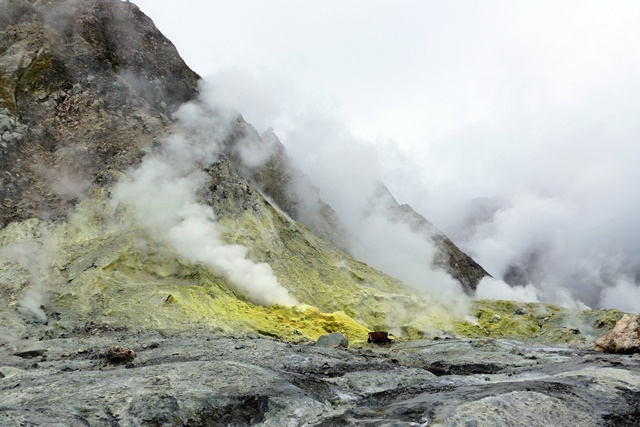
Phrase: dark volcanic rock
[189,380]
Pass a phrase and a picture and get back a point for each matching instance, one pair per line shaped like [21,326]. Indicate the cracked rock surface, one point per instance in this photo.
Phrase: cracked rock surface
[205,380]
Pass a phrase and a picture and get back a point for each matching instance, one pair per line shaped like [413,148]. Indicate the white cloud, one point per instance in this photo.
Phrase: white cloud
[530,104]
[490,288]
[625,295]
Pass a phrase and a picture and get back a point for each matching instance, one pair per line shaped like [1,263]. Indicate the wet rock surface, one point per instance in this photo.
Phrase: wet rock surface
[199,380]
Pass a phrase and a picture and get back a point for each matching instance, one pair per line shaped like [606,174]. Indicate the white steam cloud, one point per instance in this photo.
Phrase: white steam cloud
[162,196]
[516,124]
[553,215]
[347,172]
[490,288]
[562,210]
[34,259]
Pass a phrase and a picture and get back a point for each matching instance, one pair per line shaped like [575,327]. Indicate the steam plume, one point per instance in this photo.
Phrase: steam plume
[35,260]
[162,196]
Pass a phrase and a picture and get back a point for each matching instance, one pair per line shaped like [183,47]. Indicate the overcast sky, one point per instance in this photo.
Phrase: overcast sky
[513,126]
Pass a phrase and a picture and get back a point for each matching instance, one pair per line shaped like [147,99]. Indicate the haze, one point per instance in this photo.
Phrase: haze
[511,126]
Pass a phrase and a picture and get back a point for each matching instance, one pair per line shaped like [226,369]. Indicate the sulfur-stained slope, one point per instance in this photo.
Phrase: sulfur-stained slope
[100,267]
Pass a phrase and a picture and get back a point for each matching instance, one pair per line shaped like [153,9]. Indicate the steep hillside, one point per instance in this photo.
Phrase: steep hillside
[91,90]
[131,198]
[86,87]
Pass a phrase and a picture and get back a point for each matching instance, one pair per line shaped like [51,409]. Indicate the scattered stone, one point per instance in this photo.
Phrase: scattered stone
[77,88]
[5,124]
[120,354]
[97,104]
[30,353]
[517,350]
[91,78]
[521,311]
[379,338]
[9,371]
[624,338]
[333,340]
[165,119]
[483,342]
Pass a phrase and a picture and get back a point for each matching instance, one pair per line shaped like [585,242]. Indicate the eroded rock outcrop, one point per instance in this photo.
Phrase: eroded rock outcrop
[85,88]
[624,338]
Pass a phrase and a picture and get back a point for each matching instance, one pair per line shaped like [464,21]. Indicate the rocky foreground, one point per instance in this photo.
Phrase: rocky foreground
[205,380]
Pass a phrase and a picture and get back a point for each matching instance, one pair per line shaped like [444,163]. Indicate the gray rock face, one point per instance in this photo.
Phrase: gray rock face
[196,380]
[5,124]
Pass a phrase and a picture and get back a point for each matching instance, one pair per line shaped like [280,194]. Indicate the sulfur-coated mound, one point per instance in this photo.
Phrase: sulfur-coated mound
[537,322]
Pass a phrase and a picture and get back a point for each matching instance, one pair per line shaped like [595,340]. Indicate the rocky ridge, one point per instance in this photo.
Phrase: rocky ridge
[448,256]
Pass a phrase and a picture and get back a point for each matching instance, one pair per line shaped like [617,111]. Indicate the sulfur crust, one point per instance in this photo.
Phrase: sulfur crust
[103,268]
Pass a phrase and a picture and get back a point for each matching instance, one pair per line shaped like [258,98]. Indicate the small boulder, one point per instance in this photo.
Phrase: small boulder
[333,340]
[9,371]
[624,338]
[5,124]
[31,352]
[120,354]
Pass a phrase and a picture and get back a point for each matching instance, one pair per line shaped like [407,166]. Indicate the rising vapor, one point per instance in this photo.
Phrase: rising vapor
[545,202]
[162,196]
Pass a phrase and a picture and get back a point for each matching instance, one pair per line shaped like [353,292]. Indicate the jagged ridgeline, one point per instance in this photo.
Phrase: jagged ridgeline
[129,197]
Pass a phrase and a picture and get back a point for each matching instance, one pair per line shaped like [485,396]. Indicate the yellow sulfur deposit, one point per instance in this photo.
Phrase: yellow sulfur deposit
[104,269]
[100,267]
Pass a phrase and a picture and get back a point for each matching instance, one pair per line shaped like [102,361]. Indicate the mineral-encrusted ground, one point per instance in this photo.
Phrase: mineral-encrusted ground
[204,380]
